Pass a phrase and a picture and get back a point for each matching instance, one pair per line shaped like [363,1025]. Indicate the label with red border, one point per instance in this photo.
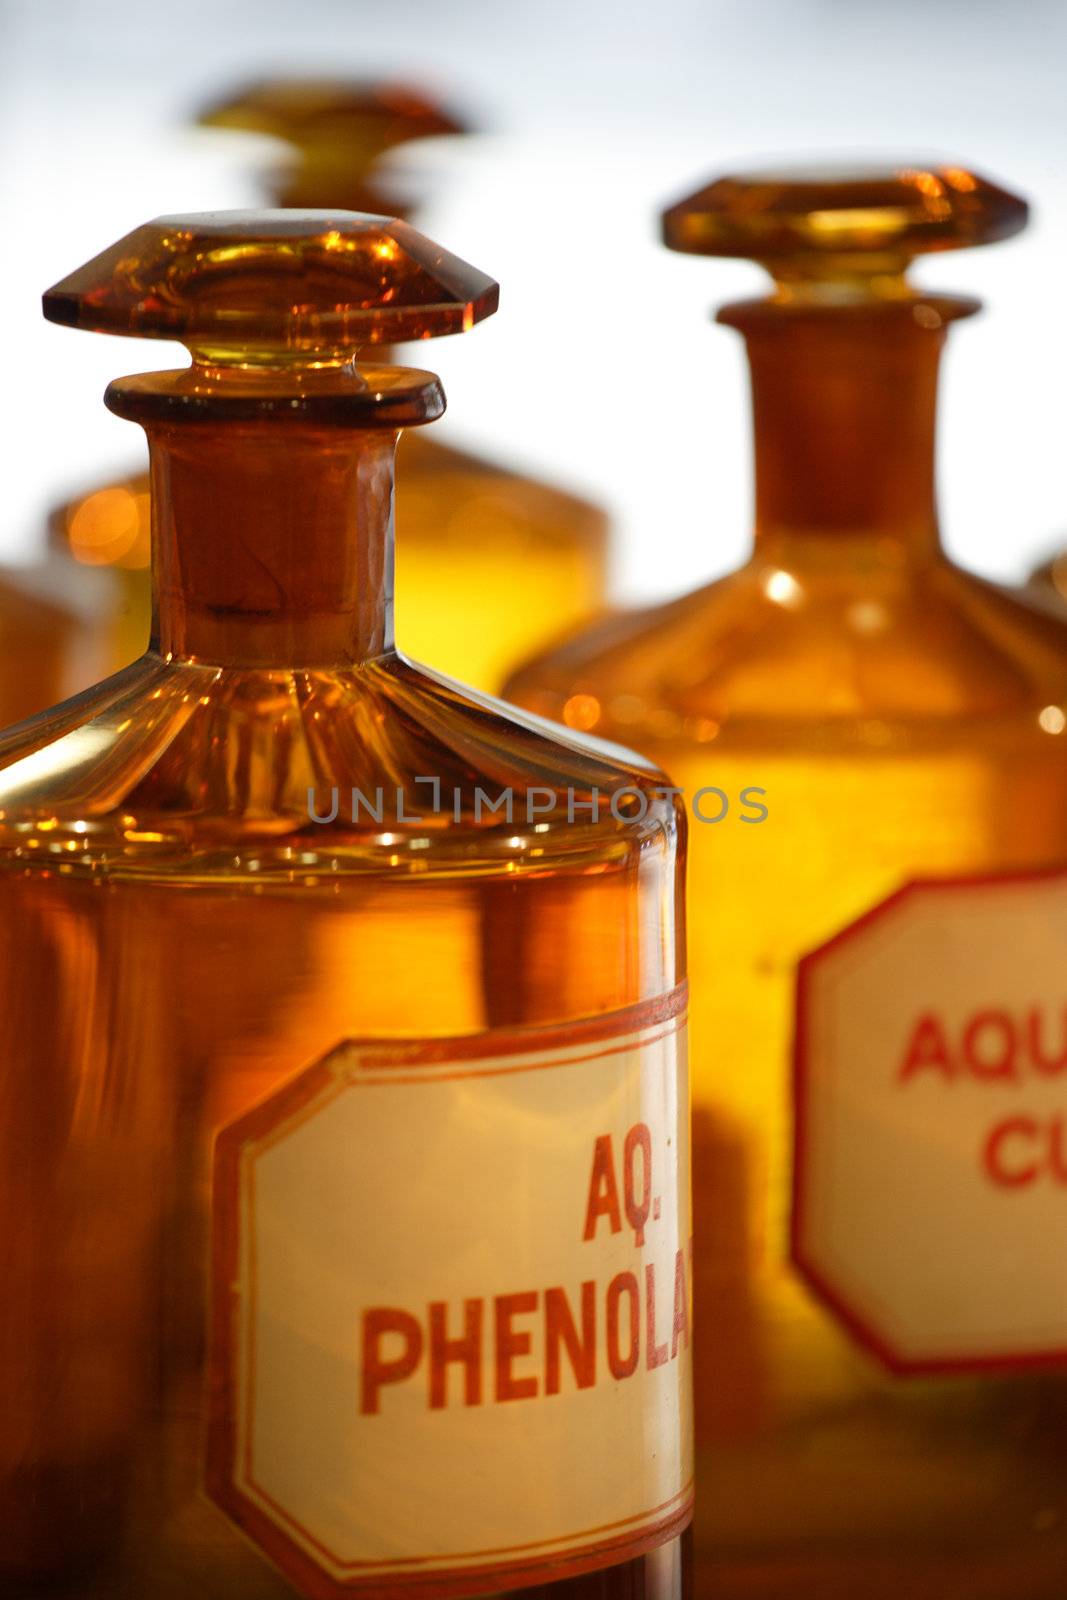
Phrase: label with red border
[930,1173]
[451,1329]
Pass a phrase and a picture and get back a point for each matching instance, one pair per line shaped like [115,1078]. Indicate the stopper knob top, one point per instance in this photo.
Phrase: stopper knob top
[294,281]
[902,211]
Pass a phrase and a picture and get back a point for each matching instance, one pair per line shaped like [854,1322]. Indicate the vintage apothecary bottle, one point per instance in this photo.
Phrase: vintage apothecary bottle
[469,529]
[875,1067]
[344,1168]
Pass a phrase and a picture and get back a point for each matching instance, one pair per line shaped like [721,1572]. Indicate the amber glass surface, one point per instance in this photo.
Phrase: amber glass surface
[470,529]
[902,717]
[179,936]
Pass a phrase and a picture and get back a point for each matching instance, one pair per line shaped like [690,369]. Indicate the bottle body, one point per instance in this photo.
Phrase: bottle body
[117,1425]
[894,1494]
[196,985]
[844,715]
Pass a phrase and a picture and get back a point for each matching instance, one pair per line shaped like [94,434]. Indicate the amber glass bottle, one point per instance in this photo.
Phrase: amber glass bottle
[846,713]
[468,527]
[344,1174]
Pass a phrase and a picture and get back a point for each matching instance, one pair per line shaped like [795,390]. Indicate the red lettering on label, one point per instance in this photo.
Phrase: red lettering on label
[560,1330]
[989,1045]
[993,1046]
[511,1343]
[927,1047]
[603,1190]
[466,1350]
[457,1336]
[1041,1061]
[1057,1164]
[638,1142]
[655,1354]
[995,1155]
[379,1323]
[1020,1150]
[680,1324]
[619,1365]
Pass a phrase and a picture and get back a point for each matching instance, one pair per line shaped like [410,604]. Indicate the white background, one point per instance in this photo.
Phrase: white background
[601,369]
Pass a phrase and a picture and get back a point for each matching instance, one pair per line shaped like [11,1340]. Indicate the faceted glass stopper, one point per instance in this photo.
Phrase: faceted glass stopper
[294,281]
[894,212]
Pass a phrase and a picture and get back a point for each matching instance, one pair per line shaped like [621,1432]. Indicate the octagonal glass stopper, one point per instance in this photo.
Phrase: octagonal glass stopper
[303,284]
[825,223]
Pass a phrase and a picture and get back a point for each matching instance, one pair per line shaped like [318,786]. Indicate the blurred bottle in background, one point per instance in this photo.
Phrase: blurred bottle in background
[884,716]
[491,564]
[51,638]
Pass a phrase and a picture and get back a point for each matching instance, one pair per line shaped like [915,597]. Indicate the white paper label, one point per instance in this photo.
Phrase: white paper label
[452,1318]
[930,1193]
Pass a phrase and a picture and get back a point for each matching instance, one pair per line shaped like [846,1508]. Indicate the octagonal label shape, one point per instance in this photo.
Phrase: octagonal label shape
[450,1347]
[930,1158]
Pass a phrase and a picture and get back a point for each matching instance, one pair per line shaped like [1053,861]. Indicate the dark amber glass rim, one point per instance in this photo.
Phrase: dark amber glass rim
[409,398]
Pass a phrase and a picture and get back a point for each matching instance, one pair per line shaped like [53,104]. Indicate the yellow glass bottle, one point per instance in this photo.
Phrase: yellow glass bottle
[468,527]
[846,713]
[344,1153]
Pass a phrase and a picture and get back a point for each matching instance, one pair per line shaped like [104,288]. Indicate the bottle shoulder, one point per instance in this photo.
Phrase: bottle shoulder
[772,645]
[381,764]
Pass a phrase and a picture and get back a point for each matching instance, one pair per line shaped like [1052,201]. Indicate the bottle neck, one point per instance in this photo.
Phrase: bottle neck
[844,406]
[272,542]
